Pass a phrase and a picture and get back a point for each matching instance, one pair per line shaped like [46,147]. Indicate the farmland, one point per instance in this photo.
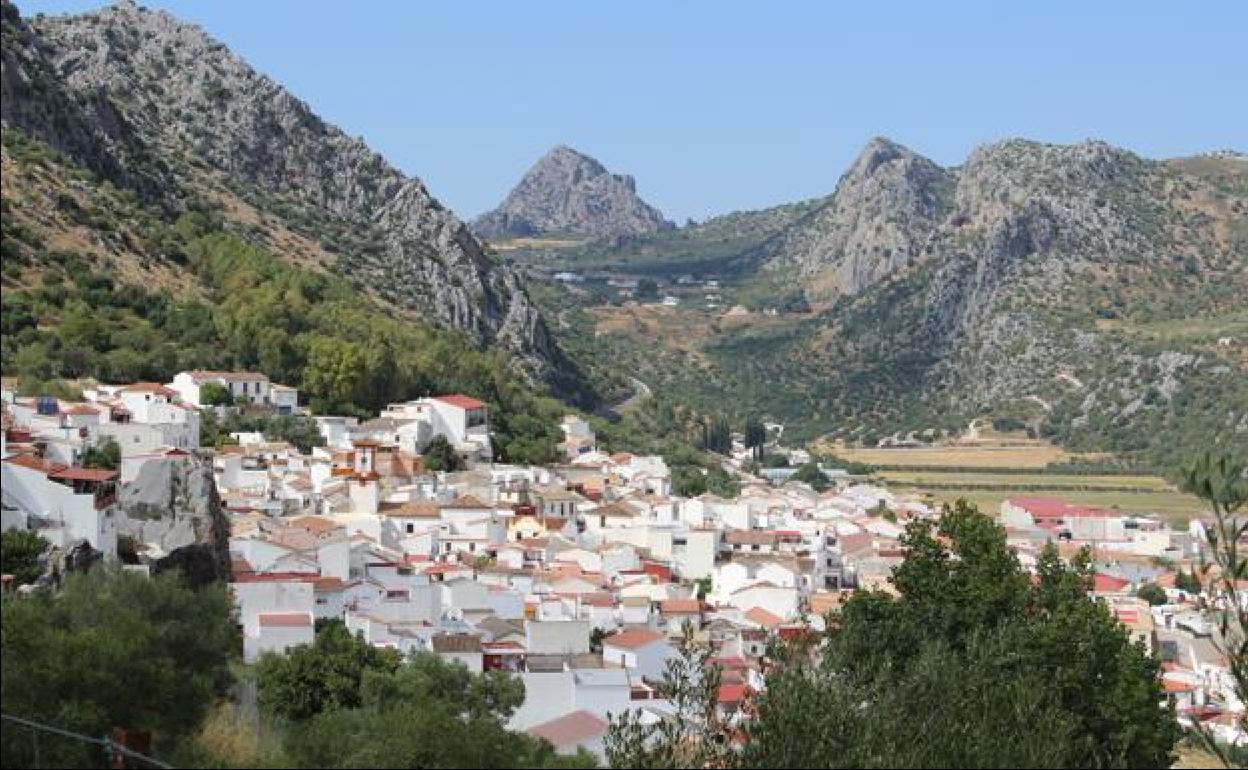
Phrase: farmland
[988,472]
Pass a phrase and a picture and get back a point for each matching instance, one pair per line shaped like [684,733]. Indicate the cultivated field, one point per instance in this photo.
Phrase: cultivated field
[988,472]
[1032,455]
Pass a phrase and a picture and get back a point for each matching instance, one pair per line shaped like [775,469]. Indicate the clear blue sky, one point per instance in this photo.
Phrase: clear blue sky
[719,106]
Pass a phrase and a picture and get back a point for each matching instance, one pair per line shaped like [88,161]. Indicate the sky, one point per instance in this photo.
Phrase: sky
[722,106]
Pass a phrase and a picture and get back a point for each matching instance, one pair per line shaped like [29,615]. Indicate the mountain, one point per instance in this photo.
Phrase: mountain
[569,193]
[1088,293]
[884,209]
[156,106]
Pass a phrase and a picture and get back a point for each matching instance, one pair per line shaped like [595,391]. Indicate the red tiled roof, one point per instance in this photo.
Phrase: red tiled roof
[328,584]
[633,638]
[412,510]
[1102,583]
[680,607]
[84,474]
[149,387]
[275,577]
[1052,507]
[570,729]
[206,374]
[1175,686]
[733,693]
[763,618]
[35,463]
[461,401]
[286,619]
[467,502]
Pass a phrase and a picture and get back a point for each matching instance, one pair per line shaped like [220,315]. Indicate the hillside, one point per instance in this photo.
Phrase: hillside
[99,285]
[569,193]
[1088,294]
[156,107]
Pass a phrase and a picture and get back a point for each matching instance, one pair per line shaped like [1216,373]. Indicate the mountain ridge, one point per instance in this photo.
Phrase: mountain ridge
[157,105]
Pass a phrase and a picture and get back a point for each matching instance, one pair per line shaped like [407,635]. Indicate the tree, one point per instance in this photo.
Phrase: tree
[968,665]
[328,674]
[106,454]
[1222,482]
[647,288]
[755,437]
[812,475]
[694,735]
[348,704]
[113,649]
[215,394]
[1152,593]
[717,435]
[441,456]
[19,555]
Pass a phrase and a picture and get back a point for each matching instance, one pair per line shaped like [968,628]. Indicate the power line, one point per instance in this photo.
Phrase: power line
[110,746]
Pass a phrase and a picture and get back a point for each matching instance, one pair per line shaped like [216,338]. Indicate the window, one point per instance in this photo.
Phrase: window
[411,528]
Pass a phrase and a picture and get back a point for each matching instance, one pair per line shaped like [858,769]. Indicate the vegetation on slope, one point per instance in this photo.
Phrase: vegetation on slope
[70,314]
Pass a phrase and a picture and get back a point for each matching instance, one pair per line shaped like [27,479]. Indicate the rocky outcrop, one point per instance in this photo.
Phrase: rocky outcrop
[157,105]
[569,193]
[881,215]
[171,508]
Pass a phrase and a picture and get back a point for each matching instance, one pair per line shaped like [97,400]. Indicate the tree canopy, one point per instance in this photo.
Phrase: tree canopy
[345,703]
[113,649]
[19,554]
[971,662]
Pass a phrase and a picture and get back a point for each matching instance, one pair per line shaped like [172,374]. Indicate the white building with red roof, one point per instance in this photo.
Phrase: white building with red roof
[62,504]
[252,386]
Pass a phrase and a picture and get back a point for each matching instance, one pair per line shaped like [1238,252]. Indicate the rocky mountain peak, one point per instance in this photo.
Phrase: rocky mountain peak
[884,208]
[568,192]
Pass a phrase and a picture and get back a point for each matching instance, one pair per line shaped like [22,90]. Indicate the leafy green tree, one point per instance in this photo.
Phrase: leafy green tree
[810,474]
[328,674]
[19,554]
[215,394]
[1187,581]
[647,288]
[107,454]
[1222,482]
[441,456]
[348,704]
[1152,593]
[113,649]
[968,665]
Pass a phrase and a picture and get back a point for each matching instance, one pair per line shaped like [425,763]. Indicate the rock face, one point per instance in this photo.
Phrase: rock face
[569,193]
[878,220]
[156,105]
[173,506]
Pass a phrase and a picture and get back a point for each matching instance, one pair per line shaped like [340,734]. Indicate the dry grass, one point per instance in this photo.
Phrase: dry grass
[1035,455]
[971,478]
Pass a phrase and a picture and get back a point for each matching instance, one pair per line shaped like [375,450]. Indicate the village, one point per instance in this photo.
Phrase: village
[582,577]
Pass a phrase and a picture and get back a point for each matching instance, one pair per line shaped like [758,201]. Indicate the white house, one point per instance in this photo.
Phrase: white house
[63,504]
[252,386]
[643,651]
